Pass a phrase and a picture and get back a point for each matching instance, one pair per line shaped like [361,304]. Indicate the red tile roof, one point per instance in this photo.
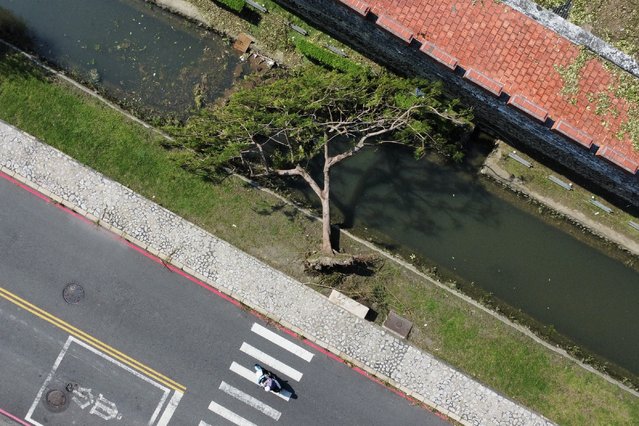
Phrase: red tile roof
[507,47]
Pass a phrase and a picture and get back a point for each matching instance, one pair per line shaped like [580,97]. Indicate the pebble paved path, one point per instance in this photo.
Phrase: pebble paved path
[248,280]
[524,55]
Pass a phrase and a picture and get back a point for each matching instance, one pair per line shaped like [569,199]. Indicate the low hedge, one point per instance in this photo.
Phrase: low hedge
[326,58]
[234,5]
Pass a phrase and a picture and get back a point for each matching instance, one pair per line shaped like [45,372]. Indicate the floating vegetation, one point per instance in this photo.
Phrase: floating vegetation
[123,45]
[94,76]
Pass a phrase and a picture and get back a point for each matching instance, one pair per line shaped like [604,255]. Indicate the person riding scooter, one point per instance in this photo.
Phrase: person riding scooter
[266,379]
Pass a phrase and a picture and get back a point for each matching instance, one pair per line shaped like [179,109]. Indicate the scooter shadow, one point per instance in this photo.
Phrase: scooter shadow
[287,390]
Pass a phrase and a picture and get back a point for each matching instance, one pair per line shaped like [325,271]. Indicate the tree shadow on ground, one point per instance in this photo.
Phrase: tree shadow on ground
[14,30]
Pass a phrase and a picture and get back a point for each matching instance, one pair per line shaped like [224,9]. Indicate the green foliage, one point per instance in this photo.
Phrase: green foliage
[326,57]
[235,5]
[286,122]
[627,88]
[550,4]
[570,75]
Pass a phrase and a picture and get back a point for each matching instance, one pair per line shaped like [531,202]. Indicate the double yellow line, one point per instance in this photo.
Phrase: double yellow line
[147,371]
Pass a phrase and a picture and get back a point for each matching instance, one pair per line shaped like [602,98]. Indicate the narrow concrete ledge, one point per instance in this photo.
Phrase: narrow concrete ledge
[484,81]
[441,56]
[618,159]
[358,6]
[565,185]
[395,28]
[349,304]
[519,159]
[600,205]
[573,133]
[529,107]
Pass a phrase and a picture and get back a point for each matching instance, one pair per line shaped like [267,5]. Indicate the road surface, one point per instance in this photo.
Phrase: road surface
[142,345]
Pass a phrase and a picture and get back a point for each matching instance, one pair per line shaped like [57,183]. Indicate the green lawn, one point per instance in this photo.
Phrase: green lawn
[446,326]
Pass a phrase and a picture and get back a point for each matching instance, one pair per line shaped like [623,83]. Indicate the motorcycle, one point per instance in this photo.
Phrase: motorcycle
[267,379]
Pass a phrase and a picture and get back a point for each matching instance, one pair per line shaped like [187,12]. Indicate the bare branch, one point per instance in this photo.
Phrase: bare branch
[299,171]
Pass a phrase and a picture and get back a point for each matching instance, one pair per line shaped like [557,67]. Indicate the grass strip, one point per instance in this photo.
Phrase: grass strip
[326,58]
[453,330]
[234,5]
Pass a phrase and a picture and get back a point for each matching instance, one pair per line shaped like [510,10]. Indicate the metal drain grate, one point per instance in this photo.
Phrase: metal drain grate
[563,10]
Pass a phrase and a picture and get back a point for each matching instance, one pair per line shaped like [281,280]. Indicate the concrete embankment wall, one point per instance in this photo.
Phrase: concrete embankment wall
[394,47]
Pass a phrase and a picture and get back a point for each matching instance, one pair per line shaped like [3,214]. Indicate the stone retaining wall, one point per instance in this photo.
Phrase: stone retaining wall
[512,118]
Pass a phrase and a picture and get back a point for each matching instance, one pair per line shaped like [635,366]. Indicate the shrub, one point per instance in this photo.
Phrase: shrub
[327,58]
[235,5]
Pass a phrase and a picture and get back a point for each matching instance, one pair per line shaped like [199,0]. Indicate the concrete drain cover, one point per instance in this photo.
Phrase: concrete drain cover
[398,324]
[73,293]
[56,400]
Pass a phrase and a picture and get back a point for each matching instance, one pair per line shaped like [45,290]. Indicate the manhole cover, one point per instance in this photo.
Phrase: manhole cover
[56,400]
[73,293]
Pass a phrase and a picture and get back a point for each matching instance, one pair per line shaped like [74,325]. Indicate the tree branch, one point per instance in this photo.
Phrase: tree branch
[299,171]
[398,122]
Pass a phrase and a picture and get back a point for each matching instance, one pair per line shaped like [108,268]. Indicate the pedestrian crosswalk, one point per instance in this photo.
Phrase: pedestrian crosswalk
[266,359]
[229,415]
[249,400]
[284,371]
[282,342]
[250,376]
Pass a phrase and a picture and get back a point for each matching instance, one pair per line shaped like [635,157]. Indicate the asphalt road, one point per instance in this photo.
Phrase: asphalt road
[143,336]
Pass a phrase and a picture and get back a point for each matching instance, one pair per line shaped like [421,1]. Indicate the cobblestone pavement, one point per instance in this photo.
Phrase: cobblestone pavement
[253,283]
[525,56]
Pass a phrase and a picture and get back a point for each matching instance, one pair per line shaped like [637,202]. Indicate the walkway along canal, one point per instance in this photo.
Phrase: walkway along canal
[152,60]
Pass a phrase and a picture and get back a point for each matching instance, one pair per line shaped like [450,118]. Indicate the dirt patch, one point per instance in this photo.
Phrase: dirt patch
[615,21]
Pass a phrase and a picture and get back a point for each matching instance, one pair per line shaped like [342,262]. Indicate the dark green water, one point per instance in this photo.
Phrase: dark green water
[136,52]
[441,213]
[447,215]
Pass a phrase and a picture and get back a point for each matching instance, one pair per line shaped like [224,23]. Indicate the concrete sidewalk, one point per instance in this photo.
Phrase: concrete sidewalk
[253,283]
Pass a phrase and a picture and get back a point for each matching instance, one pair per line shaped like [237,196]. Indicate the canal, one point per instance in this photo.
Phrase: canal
[148,59]
[444,215]
[450,217]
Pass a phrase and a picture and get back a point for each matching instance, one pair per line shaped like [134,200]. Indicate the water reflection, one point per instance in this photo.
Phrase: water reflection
[445,214]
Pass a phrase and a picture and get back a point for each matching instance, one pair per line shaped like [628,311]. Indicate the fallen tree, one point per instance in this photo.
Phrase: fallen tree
[278,126]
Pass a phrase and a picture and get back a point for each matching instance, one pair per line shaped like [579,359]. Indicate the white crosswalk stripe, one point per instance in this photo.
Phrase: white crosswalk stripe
[282,342]
[170,409]
[250,401]
[229,415]
[250,376]
[271,362]
[202,423]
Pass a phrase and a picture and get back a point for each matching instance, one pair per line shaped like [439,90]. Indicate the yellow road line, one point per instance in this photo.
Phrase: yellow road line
[90,340]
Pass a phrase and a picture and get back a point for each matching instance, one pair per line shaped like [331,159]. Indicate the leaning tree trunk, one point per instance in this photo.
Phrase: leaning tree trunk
[327,247]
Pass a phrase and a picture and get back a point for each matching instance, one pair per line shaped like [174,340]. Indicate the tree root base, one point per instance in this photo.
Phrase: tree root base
[322,262]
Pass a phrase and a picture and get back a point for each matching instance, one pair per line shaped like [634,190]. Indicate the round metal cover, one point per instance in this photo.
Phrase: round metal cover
[73,293]
[56,400]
